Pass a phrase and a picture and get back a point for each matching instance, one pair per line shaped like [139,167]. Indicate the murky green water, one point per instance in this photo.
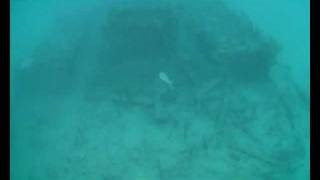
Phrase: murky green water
[159,90]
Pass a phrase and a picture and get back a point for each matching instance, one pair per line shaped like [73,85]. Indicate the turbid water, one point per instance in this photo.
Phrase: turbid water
[159,90]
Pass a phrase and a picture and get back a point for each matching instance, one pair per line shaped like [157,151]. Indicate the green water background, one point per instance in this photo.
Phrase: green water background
[33,148]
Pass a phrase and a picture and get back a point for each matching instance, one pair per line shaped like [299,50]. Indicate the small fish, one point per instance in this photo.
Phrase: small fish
[164,77]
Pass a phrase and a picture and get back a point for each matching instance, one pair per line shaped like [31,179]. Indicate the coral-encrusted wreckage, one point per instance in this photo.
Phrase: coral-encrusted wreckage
[182,63]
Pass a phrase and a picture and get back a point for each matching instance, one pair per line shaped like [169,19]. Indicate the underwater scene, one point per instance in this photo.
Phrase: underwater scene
[159,90]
